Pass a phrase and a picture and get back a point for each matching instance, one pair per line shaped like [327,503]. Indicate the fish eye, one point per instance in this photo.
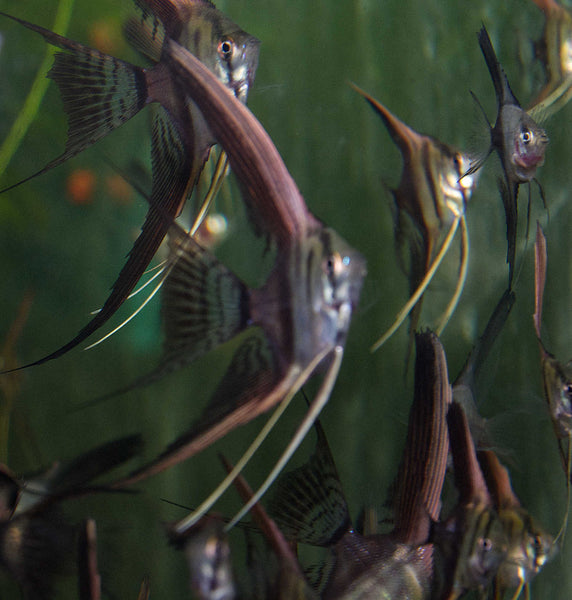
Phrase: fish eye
[332,264]
[526,136]
[486,544]
[225,48]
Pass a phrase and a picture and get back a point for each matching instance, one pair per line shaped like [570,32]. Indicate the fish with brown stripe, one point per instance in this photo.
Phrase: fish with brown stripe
[101,92]
[310,506]
[430,204]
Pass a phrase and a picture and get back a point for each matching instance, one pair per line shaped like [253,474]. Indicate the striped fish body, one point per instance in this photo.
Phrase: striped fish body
[431,181]
[472,542]
[100,93]
[529,547]
[310,507]
[517,139]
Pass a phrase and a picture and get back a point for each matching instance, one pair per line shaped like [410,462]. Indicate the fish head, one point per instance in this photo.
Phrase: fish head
[487,548]
[336,273]
[558,391]
[223,47]
[526,144]
[529,548]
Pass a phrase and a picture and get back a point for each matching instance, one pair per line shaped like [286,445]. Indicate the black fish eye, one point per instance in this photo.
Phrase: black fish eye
[526,136]
[225,48]
[486,544]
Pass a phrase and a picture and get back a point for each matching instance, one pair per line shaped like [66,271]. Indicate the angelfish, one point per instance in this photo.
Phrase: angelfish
[310,507]
[298,320]
[555,51]
[101,92]
[517,139]
[557,377]
[529,546]
[431,198]
[472,540]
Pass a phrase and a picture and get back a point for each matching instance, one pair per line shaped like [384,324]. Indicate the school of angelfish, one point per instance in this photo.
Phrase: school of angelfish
[456,527]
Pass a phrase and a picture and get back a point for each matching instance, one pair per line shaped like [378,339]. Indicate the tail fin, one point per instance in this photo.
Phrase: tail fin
[99,93]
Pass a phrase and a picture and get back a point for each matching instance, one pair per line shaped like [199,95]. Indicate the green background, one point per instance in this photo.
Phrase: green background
[420,58]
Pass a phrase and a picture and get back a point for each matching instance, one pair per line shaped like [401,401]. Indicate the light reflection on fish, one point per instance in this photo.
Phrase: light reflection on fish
[555,51]
[310,507]
[430,204]
[100,93]
[517,139]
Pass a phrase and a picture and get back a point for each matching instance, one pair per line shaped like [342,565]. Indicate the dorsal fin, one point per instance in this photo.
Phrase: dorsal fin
[309,505]
[422,471]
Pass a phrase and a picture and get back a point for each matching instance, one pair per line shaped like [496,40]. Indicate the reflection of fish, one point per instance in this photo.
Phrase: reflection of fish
[430,203]
[529,546]
[555,51]
[557,378]
[310,506]
[101,92]
[298,319]
[472,540]
[519,142]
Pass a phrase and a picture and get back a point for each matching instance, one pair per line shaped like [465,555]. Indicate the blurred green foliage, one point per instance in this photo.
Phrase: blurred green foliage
[420,58]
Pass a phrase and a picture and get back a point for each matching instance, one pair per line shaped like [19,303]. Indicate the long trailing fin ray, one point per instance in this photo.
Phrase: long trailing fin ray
[309,505]
[540,262]
[169,190]
[422,472]
[269,188]
[99,93]
[269,528]
[509,194]
[476,359]
[204,305]
[414,299]
[253,383]
[313,413]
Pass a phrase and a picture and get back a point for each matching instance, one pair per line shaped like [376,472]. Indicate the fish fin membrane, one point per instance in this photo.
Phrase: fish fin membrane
[309,505]
[99,93]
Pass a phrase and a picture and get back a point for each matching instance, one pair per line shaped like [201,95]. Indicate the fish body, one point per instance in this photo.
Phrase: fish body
[36,541]
[556,376]
[530,547]
[472,540]
[298,319]
[208,555]
[555,51]
[309,505]
[517,139]
[431,194]
[101,92]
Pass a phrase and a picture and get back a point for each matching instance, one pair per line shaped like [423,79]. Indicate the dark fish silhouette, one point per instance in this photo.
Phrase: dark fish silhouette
[36,542]
[101,92]
[310,506]
[430,204]
[519,142]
